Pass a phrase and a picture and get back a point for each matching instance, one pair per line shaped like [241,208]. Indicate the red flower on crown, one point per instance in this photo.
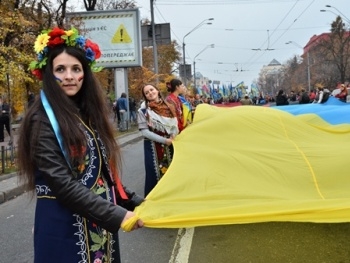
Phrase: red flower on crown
[38,73]
[55,37]
[48,39]
[94,47]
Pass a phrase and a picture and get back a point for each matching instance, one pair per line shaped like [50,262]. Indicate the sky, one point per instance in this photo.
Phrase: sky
[239,27]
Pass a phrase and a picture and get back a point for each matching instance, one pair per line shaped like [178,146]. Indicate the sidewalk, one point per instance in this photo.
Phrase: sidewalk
[9,183]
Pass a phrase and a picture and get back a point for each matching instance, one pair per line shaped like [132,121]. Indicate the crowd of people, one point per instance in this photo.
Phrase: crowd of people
[318,95]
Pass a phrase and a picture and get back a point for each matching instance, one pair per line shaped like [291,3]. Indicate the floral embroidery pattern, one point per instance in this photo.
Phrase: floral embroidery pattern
[164,163]
[94,240]
[42,189]
[99,239]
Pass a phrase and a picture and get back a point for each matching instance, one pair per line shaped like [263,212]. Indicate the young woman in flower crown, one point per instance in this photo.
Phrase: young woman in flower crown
[158,124]
[69,157]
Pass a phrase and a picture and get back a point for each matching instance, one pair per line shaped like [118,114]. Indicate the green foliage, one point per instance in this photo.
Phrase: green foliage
[21,22]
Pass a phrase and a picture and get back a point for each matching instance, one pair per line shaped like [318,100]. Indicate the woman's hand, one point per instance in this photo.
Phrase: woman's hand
[129,217]
[169,141]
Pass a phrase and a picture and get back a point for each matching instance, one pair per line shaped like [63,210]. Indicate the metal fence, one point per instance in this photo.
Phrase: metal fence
[8,156]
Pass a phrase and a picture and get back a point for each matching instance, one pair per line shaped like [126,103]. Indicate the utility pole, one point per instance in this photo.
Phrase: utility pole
[154,43]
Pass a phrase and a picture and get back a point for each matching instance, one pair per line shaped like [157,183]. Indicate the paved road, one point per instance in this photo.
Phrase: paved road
[273,242]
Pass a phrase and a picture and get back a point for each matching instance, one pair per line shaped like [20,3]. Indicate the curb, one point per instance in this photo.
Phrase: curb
[11,193]
[136,139]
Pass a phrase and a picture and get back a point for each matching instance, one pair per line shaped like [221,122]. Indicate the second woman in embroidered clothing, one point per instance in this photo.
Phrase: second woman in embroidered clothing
[175,87]
[68,155]
[158,124]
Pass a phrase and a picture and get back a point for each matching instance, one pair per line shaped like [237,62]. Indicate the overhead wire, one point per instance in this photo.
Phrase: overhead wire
[252,60]
[284,31]
[264,51]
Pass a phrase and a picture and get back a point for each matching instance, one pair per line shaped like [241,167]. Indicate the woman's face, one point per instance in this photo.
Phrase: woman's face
[69,73]
[151,93]
[181,89]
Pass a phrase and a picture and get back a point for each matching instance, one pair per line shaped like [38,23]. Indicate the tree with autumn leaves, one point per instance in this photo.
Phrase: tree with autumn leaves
[329,61]
[23,21]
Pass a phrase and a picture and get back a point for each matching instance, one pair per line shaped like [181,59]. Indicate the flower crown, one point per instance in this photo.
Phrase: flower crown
[54,37]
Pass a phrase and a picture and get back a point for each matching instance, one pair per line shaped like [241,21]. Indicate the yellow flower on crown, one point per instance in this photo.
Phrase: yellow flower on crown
[69,32]
[51,38]
[41,42]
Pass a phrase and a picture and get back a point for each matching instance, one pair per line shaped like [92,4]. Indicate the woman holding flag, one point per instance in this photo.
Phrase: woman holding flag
[158,124]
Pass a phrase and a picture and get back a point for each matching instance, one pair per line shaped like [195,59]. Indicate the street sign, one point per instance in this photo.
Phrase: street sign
[162,33]
[188,71]
[117,32]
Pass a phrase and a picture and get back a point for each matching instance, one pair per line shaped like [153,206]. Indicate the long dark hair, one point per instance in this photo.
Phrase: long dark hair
[89,104]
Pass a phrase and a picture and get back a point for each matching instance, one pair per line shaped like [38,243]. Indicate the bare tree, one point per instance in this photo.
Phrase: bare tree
[91,5]
[334,51]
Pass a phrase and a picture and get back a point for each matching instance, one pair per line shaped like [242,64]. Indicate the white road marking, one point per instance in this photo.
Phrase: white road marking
[182,247]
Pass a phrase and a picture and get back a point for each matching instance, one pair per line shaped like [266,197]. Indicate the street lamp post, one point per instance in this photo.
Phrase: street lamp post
[343,16]
[194,62]
[154,42]
[308,63]
[205,21]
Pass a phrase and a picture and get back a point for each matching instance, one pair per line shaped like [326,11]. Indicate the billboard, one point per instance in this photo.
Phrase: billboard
[117,32]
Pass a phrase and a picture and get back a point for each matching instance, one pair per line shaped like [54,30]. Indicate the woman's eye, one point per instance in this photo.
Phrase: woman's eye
[59,69]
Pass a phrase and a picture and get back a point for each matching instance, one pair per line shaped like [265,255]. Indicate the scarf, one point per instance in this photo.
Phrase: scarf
[162,117]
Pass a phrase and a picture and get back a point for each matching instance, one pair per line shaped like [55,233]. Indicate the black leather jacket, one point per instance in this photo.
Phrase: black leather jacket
[69,192]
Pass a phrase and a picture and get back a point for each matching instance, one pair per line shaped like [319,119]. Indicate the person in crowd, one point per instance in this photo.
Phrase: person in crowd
[157,121]
[293,96]
[281,98]
[261,99]
[339,85]
[122,106]
[5,120]
[312,95]
[206,100]
[304,97]
[321,95]
[197,100]
[116,113]
[343,93]
[30,99]
[175,87]
[132,109]
[69,157]
[246,100]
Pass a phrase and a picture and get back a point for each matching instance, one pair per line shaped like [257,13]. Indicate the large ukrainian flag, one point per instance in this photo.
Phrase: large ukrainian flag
[253,164]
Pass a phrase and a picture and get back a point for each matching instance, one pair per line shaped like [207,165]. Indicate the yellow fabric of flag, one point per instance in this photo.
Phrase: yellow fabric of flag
[253,164]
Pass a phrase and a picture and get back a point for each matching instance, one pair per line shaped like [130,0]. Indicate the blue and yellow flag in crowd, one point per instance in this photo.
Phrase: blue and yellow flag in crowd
[256,164]
[186,111]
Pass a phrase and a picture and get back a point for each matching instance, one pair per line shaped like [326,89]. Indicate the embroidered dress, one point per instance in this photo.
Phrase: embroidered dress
[157,156]
[54,224]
